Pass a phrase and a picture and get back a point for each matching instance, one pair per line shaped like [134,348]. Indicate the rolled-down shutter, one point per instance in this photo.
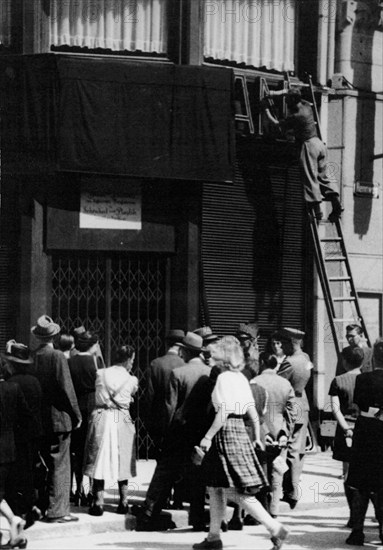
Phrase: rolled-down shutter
[253,251]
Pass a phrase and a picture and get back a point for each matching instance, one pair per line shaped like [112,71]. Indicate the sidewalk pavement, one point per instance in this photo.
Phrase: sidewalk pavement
[322,500]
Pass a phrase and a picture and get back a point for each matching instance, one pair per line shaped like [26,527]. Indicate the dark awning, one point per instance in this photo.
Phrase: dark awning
[118,117]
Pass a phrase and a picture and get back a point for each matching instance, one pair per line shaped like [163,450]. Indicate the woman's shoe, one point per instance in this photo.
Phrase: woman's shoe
[80,499]
[122,508]
[279,537]
[21,542]
[208,545]
[96,510]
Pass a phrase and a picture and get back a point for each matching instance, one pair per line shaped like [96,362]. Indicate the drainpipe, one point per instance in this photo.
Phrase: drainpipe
[326,40]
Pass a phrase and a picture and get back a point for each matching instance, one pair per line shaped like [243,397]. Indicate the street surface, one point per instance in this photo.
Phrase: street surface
[317,523]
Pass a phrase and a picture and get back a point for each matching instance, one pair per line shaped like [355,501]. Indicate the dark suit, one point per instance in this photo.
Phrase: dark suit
[187,401]
[280,418]
[297,370]
[157,385]
[20,494]
[14,412]
[60,412]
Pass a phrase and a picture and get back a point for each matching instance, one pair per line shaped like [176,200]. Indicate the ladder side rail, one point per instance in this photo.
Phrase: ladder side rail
[322,266]
[352,284]
[324,282]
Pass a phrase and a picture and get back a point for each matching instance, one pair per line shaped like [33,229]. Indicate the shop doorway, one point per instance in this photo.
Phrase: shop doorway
[122,297]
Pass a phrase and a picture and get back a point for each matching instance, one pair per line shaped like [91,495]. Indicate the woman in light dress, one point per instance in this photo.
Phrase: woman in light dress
[110,446]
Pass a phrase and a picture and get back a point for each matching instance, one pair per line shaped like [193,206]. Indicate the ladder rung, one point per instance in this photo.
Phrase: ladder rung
[340,320]
[335,259]
[344,299]
[343,278]
[331,239]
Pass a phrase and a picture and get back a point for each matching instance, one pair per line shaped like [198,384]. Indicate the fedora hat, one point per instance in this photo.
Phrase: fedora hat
[295,333]
[207,334]
[175,335]
[192,341]
[45,328]
[247,331]
[17,353]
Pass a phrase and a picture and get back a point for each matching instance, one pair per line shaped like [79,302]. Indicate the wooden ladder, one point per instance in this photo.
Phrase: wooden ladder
[336,279]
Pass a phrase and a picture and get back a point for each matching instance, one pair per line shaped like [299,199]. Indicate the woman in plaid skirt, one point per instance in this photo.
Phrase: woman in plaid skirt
[230,467]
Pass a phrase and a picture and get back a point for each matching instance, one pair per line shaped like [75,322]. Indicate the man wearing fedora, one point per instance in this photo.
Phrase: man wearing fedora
[21,493]
[297,370]
[157,384]
[187,399]
[61,414]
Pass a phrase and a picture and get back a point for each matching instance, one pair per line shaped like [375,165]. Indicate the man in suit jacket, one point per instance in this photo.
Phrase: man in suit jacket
[279,421]
[188,396]
[297,370]
[157,385]
[61,414]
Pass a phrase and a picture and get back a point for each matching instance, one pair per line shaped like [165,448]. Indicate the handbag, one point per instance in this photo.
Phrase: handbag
[197,456]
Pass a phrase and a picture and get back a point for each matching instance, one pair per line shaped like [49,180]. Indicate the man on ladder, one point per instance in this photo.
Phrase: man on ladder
[313,152]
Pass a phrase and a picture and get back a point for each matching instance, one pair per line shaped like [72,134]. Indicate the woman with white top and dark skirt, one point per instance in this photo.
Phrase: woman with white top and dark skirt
[110,446]
[230,467]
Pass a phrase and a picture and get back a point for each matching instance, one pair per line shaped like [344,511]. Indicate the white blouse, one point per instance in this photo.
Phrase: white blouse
[232,393]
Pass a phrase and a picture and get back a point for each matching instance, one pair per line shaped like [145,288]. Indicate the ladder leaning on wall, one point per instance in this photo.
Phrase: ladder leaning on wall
[336,280]
[334,270]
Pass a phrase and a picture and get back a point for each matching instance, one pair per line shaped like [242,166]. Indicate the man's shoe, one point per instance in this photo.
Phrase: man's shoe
[62,519]
[356,538]
[235,524]
[292,502]
[96,510]
[250,520]
[209,545]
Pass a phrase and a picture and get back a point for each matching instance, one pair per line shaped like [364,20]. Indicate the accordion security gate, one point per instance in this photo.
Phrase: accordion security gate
[123,299]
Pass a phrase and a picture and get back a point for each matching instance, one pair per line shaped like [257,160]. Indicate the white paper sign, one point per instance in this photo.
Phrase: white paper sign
[108,211]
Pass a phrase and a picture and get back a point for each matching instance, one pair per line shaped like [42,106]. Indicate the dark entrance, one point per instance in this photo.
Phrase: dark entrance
[121,297]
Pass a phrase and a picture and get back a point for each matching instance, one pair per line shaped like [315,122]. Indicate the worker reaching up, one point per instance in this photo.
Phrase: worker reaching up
[313,152]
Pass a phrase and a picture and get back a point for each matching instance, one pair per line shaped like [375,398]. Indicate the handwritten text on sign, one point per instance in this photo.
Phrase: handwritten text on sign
[110,211]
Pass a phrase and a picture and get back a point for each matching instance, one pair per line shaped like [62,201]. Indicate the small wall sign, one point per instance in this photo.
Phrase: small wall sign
[110,211]
[366,189]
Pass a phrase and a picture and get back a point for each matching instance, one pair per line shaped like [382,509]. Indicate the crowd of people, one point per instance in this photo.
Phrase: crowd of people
[229,424]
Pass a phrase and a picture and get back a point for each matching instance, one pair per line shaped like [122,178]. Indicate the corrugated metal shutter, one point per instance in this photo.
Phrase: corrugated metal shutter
[253,254]
[7,296]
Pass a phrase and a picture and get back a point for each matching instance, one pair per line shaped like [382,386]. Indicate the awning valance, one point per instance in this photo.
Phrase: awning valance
[118,117]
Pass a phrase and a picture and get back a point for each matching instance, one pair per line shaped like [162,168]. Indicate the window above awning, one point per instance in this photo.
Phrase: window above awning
[117,117]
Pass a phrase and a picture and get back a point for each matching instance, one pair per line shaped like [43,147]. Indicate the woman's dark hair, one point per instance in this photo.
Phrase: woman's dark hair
[86,340]
[353,356]
[278,336]
[65,342]
[267,361]
[124,353]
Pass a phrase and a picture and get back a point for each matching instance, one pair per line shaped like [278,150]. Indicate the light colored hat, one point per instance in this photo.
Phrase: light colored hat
[293,333]
[45,328]
[247,331]
[207,334]
[192,341]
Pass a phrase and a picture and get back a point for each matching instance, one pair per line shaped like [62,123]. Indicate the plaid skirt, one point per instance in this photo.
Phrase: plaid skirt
[231,460]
